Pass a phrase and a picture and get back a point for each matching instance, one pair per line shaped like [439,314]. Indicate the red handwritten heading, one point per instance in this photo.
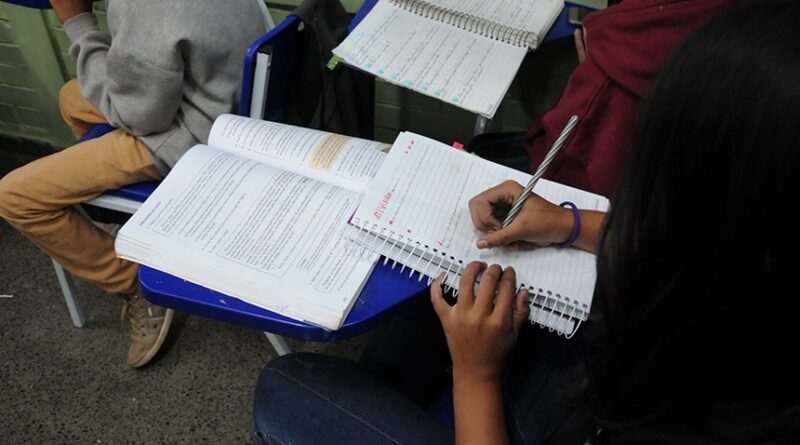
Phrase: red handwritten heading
[382,206]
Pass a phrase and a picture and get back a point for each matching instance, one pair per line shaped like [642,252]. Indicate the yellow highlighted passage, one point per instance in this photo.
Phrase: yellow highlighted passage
[328,151]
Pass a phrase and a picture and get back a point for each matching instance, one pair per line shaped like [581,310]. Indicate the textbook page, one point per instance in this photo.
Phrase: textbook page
[264,235]
[433,58]
[343,161]
[421,193]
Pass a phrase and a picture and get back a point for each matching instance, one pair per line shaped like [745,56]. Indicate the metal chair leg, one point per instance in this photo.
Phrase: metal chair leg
[67,288]
[277,342]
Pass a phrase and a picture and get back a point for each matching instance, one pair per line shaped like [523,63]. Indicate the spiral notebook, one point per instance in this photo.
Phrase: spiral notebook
[464,52]
[415,212]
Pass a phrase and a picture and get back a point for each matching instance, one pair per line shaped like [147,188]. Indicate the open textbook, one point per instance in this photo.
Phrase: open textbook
[464,52]
[259,214]
[415,211]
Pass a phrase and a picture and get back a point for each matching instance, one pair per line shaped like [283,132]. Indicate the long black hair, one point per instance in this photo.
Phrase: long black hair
[697,275]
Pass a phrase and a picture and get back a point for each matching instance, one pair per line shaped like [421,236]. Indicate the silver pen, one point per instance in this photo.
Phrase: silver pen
[520,201]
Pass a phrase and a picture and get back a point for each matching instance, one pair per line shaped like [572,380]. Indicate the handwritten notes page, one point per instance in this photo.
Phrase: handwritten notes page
[420,196]
[255,232]
[535,16]
[439,60]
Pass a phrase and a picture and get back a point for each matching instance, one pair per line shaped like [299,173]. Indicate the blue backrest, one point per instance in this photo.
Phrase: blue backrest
[281,42]
[38,4]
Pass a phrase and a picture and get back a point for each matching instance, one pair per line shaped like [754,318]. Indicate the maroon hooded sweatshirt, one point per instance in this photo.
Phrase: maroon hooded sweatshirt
[626,45]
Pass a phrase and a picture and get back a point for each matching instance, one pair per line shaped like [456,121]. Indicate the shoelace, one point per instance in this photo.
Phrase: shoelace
[135,307]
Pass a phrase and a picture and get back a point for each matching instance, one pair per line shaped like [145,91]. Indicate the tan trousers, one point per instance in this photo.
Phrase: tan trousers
[37,198]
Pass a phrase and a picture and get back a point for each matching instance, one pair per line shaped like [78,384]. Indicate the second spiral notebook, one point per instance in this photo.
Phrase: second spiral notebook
[415,211]
[463,52]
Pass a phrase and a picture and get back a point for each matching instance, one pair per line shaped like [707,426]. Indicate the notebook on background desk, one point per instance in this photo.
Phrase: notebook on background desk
[463,52]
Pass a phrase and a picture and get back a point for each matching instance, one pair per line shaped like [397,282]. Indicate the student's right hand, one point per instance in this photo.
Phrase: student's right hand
[540,222]
[66,9]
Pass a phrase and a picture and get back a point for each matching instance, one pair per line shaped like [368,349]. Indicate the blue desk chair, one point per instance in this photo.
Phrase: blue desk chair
[374,305]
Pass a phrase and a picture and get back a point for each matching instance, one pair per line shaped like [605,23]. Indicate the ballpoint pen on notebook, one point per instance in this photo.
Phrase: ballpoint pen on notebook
[520,201]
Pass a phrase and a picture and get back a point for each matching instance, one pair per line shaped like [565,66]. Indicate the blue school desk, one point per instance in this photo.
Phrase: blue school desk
[385,292]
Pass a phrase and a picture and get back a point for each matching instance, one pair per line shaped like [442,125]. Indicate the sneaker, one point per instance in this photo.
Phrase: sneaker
[149,325]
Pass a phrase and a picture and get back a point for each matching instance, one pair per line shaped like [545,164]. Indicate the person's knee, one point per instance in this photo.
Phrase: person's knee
[68,92]
[273,398]
[68,96]
[12,200]
[281,373]
[287,378]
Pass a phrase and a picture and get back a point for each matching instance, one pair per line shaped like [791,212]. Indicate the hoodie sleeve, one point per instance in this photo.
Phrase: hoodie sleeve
[134,80]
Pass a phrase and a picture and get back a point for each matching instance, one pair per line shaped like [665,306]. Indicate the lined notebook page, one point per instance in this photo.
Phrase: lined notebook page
[439,60]
[529,15]
[422,191]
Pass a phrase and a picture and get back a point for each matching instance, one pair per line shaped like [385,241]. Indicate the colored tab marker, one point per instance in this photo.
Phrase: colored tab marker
[334,61]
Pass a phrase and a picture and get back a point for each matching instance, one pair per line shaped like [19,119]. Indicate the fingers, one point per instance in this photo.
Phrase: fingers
[539,222]
[496,296]
[488,207]
[505,294]
[437,297]
[466,288]
[484,301]
[502,237]
[521,309]
[482,214]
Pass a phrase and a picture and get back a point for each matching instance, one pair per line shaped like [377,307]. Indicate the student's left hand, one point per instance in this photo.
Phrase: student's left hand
[482,327]
[66,9]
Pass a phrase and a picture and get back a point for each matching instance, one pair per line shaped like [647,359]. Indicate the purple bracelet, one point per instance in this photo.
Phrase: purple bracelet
[576,226]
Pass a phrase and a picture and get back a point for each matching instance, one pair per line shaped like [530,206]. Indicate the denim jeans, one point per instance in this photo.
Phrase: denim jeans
[386,398]
[316,399]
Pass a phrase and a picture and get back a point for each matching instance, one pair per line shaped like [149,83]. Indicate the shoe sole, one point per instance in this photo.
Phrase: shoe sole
[162,335]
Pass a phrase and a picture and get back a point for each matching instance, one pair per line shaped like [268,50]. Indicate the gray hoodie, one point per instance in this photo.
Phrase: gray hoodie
[168,67]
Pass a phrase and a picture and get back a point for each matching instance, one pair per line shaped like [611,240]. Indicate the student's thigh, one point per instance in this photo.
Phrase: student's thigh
[410,352]
[311,398]
[540,369]
[87,169]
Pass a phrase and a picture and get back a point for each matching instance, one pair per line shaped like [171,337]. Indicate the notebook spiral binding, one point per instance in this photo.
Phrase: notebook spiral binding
[430,262]
[469,22]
